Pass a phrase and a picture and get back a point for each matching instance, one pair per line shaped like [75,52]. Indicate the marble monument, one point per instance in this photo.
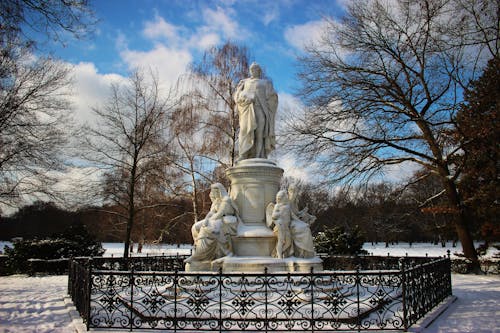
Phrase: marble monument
[257,225]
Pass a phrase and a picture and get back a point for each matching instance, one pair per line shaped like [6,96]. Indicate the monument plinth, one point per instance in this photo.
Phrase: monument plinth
[254,184]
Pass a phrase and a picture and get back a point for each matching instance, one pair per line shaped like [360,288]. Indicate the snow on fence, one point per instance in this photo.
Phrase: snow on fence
[154,294]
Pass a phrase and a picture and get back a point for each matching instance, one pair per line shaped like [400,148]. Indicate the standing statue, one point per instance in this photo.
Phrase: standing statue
[212,235]
[257,103]
[279,217]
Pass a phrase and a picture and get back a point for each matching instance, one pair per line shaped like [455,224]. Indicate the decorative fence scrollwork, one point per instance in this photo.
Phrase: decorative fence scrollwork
[316,301]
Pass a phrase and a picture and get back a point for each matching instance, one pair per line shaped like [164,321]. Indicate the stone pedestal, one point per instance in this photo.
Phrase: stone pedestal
[254,184]
[273,265]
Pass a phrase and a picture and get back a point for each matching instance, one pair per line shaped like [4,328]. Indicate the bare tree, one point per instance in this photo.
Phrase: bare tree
[383,88]
[34,111]
[34,117]
[216,77]
[130,141]
[53,19]
[192,147]
[205,121]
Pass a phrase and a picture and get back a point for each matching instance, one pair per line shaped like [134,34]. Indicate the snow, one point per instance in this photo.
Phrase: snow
[116,249]
[36,304]
[420,249]
[400,249]
[477,308]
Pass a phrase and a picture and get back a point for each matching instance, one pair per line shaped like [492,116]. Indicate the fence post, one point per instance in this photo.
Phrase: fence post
[403,295]
[89,290]
[311,282]
[220,299]
[131,297]
[448,272]
[175,299]
[358,281]
[266,324]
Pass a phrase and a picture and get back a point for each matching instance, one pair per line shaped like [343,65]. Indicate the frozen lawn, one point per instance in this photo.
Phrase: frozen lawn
[35,304]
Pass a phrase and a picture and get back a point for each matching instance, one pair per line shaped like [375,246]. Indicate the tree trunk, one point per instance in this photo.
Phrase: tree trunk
[195,192]
[460,218]
[131,209]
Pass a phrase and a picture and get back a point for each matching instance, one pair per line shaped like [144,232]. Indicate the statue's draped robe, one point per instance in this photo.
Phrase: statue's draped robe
[261,97]
[212,238]
[281,217]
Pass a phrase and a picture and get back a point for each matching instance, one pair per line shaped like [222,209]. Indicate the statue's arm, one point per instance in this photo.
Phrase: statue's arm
[272,97]
[239,89]
[225,208]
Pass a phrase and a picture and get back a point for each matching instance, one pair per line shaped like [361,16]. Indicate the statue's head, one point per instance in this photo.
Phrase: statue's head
[217,190]
[282,197]
[255,70]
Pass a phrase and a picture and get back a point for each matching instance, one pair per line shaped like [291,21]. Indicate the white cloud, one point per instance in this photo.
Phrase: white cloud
[216,24]
[204,41]
[168,63]
[218,20]
[400,172]
[75,185]
[290,108]
[173,45]
[159,28]
[90,89]
[292,169]
[304,35]
[270,16]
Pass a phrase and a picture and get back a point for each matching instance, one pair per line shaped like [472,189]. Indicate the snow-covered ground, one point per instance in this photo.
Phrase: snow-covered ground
[116,249]
[401,249]
[421,249]
[35,304]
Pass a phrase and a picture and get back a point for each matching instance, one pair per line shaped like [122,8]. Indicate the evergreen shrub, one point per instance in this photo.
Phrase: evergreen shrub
[75,241]
[339,241]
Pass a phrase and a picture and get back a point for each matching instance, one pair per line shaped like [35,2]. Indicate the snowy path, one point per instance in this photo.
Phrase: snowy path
[477,308]
[35,304]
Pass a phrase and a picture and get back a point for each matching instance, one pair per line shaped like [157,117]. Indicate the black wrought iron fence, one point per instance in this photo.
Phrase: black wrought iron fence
[316,301]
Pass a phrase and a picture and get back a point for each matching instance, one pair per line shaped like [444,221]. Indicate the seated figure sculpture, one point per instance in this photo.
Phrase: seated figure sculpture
[279,219]
[212,235]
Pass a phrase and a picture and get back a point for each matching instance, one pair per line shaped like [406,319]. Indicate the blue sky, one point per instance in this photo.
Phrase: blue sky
[168,34]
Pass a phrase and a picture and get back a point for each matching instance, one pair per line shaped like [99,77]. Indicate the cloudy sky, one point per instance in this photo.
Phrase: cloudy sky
[166,35]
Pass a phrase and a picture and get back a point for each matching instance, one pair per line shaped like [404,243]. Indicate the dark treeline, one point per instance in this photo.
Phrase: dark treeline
[384,212]
[389,212]
[170,223]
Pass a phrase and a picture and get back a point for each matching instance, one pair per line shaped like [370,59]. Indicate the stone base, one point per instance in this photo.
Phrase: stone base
[259,246]
[273,265]
[199,266]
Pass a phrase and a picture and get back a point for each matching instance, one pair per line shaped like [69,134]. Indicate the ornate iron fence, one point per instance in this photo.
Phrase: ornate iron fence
[316,301]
